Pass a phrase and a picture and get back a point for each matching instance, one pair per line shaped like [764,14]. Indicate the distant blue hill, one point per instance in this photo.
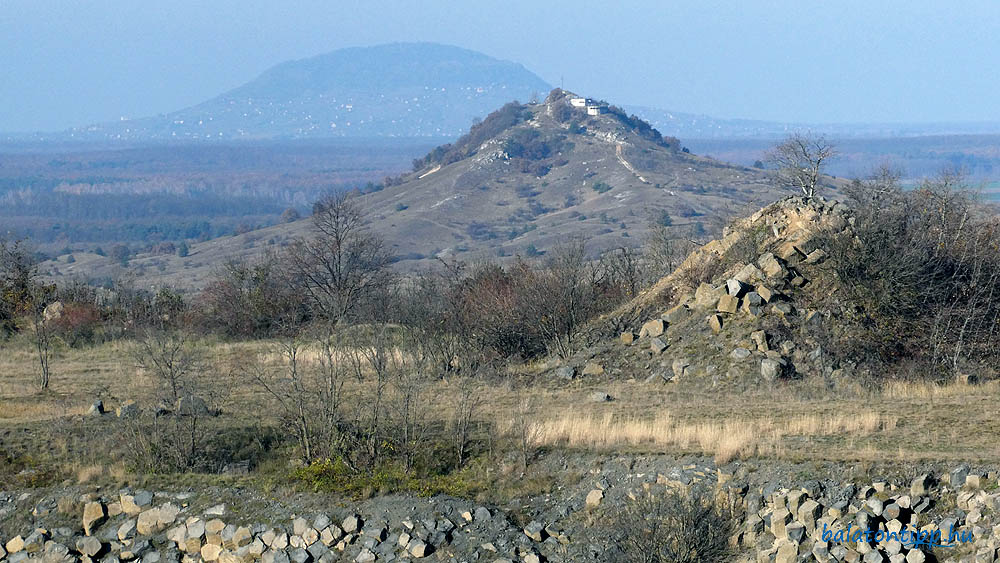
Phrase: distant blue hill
[393,90]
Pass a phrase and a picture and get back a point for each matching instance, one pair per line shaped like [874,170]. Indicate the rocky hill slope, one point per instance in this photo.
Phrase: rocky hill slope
[393,90]
[745,307]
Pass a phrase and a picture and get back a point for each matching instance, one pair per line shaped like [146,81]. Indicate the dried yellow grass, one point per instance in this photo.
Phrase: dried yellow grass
[921,390]
[726,440]
[828,425]
[118,471]
[28,410]
[88,473]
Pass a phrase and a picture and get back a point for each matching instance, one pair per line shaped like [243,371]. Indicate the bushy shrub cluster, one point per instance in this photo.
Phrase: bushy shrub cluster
[920,269]
[495,123]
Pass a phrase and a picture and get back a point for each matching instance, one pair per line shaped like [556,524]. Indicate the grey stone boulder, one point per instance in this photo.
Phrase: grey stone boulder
[351,524]
[128,409]
[739,354]
[89,546]
[680,367]
[96,409]
[192,405]
[653,328]
[736,288]
[958,475]
[300,555]
[566,372]
[536,531]
[921,485]
[772,369]
[482,513]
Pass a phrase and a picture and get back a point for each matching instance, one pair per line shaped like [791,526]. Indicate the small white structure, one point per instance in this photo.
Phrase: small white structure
[578,102]
[596,109]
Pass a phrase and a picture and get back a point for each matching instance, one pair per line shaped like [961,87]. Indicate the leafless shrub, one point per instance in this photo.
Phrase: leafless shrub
[171,358]
[671,526]
[411,406]
[920,270]
[251,298]
[469,401]
[619,272]
[21,293]
[163,444]
[524,430]
[307,397]
[748,247]
[41,333]
[169,431]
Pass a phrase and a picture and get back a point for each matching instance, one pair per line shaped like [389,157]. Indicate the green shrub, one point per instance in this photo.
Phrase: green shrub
[601,187]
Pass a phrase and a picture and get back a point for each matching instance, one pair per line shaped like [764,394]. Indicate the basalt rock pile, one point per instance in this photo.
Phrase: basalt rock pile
[746,305]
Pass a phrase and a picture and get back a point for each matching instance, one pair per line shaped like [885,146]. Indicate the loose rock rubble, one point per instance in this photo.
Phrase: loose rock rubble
[725,328]
[150,530]
[780,519]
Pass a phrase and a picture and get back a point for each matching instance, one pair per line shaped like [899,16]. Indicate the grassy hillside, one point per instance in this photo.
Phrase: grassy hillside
[523,180]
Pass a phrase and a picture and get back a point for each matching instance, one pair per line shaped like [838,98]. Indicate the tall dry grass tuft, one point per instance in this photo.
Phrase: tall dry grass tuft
[726,440]
[904,390]
[88,473]
[851,424]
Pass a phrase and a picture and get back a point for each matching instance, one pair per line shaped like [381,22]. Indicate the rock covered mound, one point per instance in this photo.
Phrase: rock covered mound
[747,305]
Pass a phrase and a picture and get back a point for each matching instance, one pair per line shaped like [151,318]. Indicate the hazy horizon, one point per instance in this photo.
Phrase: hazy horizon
[852,62]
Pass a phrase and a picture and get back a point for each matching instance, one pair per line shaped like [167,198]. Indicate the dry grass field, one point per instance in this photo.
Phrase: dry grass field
[793,421]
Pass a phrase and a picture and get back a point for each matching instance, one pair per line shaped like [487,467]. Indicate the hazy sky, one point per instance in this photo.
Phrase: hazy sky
[72,62]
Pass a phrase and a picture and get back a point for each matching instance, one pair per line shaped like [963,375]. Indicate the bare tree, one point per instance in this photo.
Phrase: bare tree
[41,332]
[524,429]
[799,160]
[341,262]
[22,294]
[469,401]
[171,358]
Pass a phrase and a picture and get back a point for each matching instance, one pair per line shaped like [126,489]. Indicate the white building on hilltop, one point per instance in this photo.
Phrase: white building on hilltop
[596,109]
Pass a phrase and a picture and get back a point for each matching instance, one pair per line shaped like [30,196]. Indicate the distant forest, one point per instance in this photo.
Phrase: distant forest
[141,197]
